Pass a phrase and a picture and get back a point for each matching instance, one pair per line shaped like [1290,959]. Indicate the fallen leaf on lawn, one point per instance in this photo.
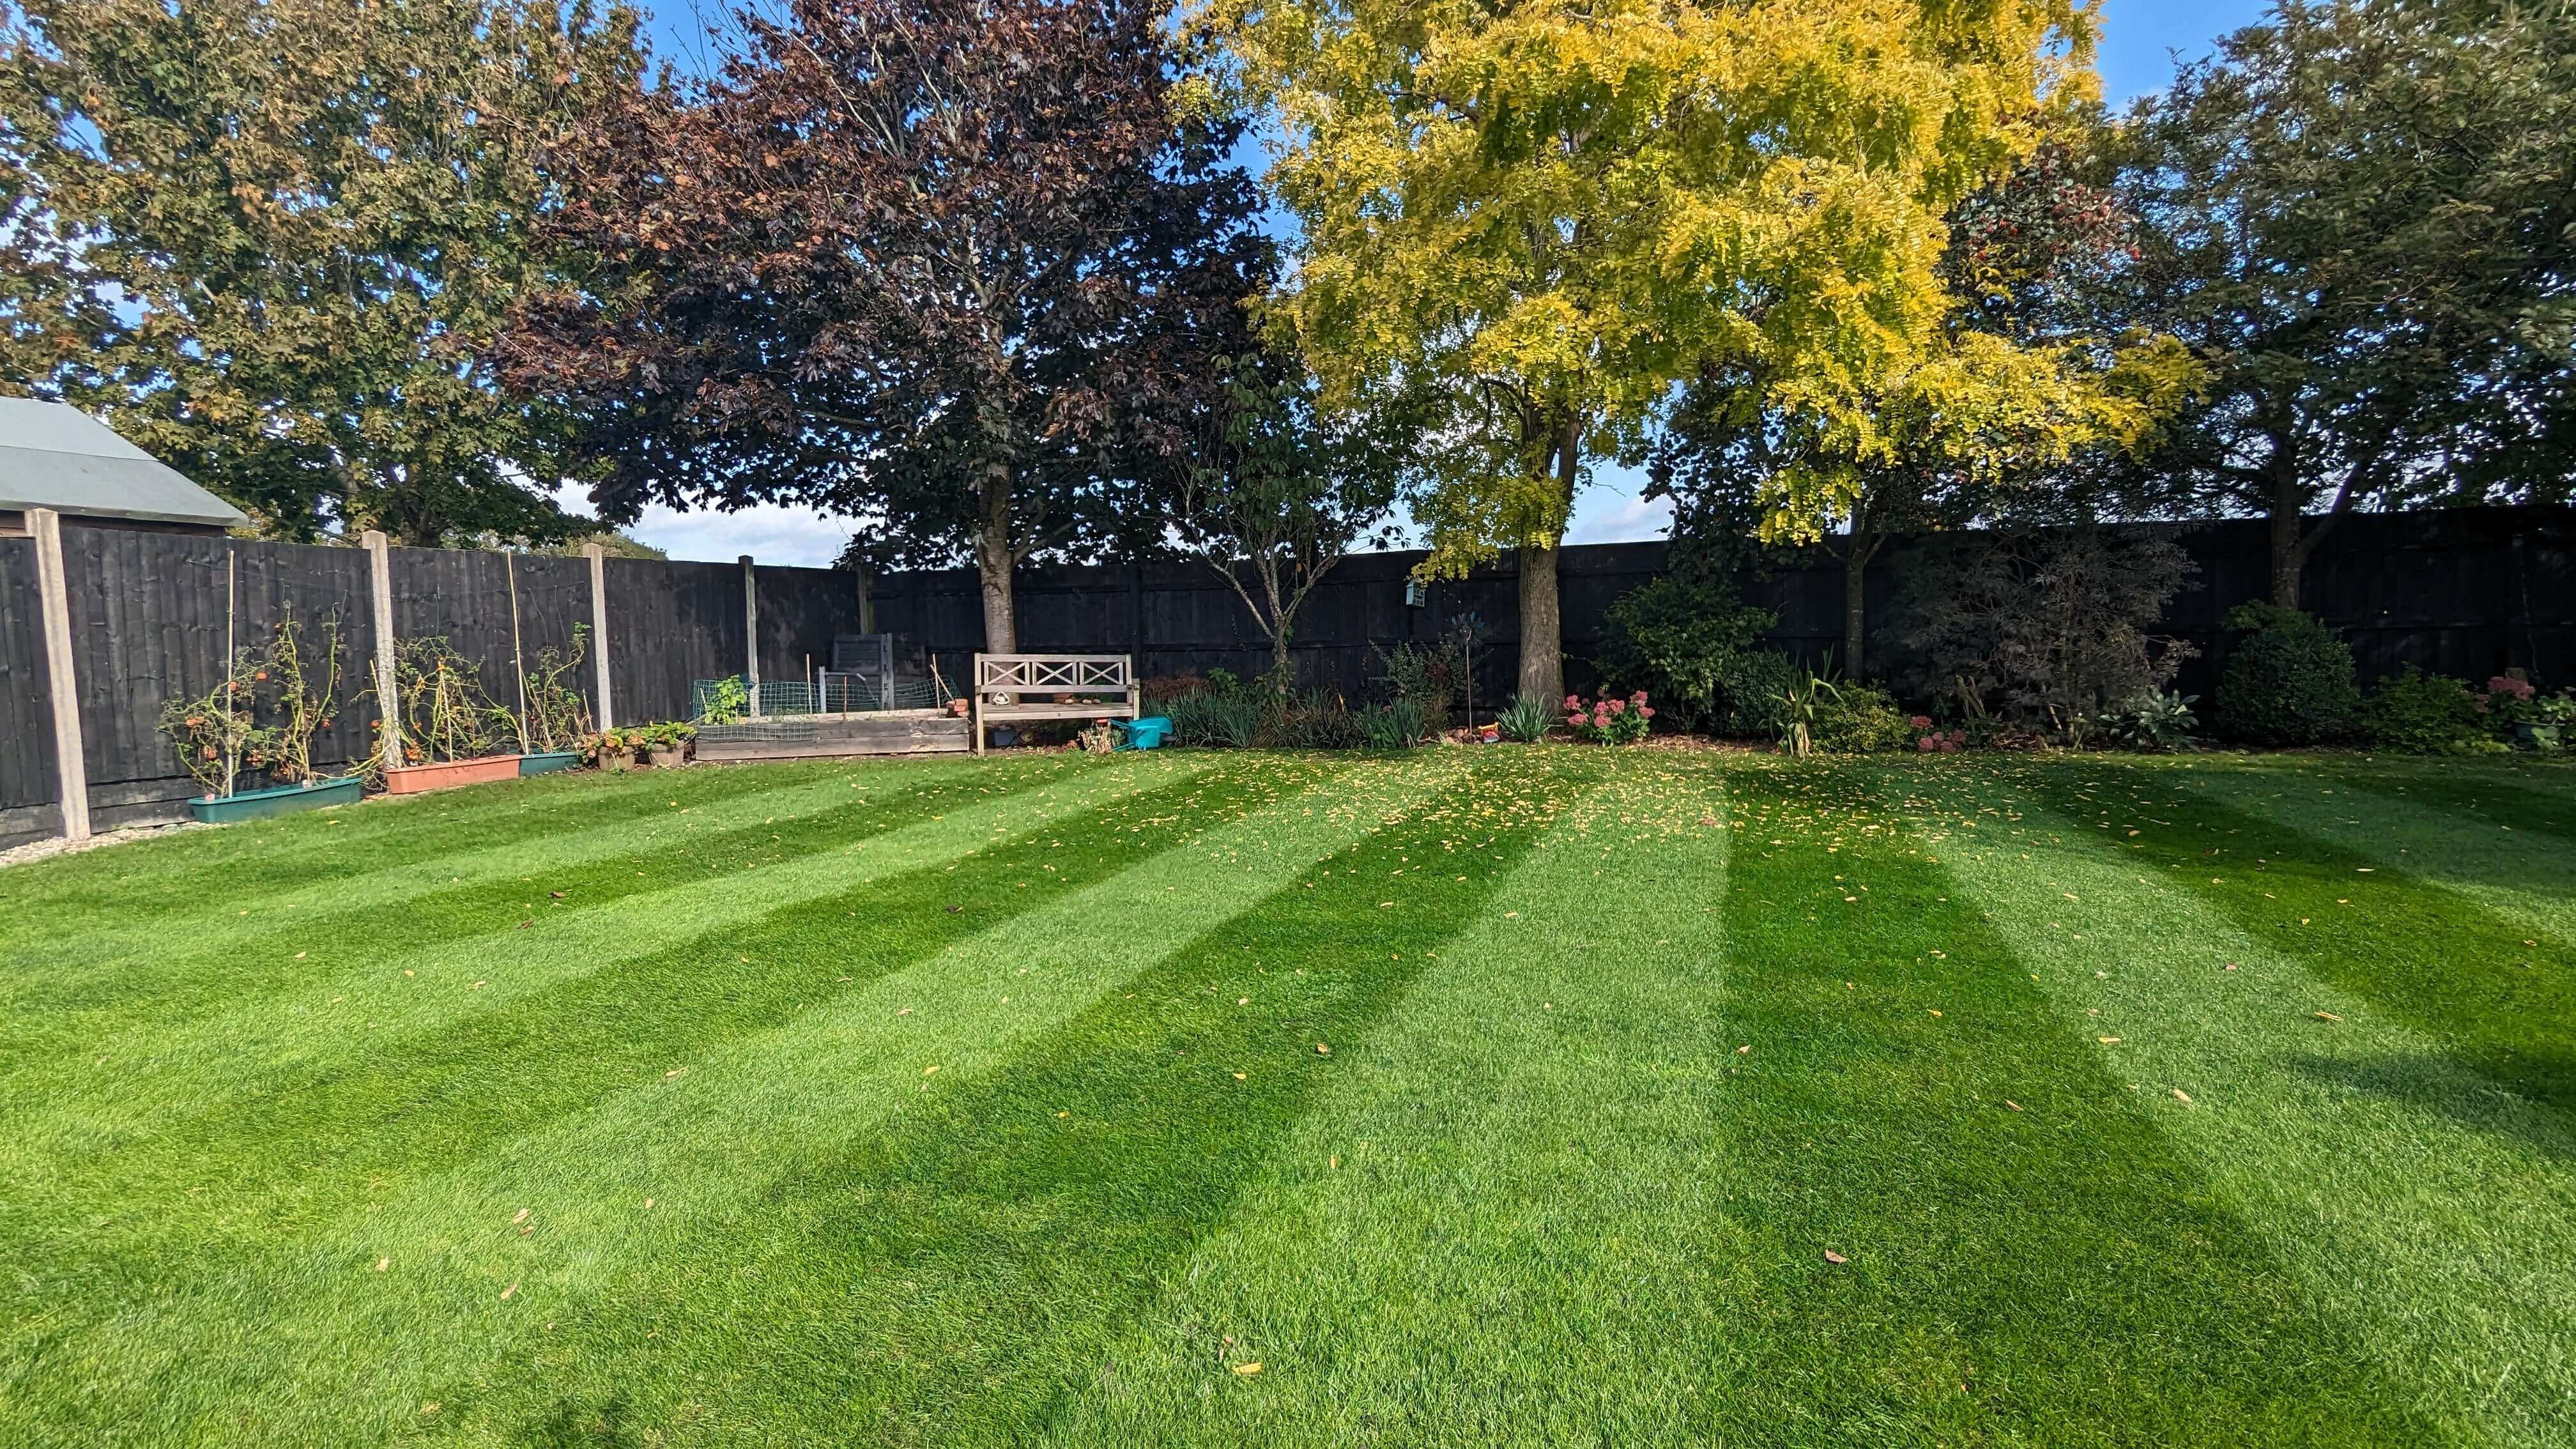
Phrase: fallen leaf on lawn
[2328,1016]
[2180,1095]
[2009,1102]
[1382,905]
[1247,1369]
[1935,1013]
[1833,1257]
[506,1292]
[1238,1076]
[1739,1051]
[926,1071]
[383,1263]
[2108,1040]
[523,1215]
[1322,1050]
[1507,915]
[557,895]
[299,955]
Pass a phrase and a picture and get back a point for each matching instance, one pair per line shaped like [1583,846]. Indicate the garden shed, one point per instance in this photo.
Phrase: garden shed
[53,455]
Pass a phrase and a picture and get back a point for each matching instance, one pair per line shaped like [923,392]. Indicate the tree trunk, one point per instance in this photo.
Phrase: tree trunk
[2285,528]
[1863,547]
[1542,672]
[993,560]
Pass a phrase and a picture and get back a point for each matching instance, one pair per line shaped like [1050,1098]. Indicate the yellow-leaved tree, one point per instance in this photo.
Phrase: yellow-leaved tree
[1548,215]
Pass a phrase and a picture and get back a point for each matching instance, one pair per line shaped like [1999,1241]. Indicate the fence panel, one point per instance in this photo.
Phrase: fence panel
[27,793]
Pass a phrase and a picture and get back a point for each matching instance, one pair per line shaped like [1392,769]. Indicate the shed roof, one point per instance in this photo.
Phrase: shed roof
[53,455]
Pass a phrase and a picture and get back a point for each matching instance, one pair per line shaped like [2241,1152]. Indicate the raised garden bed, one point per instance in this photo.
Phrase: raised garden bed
[283,800]
[447,774]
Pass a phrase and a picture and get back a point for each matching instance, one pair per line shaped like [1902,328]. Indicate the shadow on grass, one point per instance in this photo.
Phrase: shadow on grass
[956,1277]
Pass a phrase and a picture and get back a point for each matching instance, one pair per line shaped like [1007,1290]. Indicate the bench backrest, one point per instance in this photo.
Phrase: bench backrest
[1053,673]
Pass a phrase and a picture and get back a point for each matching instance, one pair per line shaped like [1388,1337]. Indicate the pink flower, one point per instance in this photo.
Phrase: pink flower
[1574,719]
[1615,706]
[1639,698]
[2507,684]
[1925,745]
[1574,701]
[1920,721]
[1646,710]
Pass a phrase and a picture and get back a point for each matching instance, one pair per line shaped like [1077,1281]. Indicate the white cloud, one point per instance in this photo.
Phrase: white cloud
[1611,512]
[769,532]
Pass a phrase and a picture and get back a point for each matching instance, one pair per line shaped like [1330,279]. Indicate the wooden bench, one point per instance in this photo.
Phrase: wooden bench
[1002,681]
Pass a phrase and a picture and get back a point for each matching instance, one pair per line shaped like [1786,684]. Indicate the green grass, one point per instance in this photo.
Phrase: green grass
[1476,1096]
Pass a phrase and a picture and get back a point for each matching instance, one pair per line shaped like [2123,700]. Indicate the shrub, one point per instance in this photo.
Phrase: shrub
[2289,680]
[1857,719]
[1432,676]
[1931,739]
[1609,720]
[1316,720]
[2416,713]
[1397,724]
[2152,722]
[1694,645]
[1525,720]
[2050,631]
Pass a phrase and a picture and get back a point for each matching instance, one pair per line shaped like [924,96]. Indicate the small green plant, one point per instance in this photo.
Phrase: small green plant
[1609,720]
[1397,724]
[1802,711]
[1859,719]
[1433,676]
[2414,713]
[727,702]
[1525,720]
[2163,722]
[2288,681]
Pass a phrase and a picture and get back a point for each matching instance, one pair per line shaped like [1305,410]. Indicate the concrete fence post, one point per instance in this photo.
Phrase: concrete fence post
[380,580]
[62,680]
[598,557]
[751,632]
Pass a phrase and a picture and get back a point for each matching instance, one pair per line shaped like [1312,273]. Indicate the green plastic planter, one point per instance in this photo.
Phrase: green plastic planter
[548,763]
[284,800]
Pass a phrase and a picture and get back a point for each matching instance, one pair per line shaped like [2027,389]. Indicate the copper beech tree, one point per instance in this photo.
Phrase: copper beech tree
[954,270]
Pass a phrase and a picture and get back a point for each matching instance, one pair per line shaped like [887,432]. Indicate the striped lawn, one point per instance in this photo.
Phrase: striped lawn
[1459,1097]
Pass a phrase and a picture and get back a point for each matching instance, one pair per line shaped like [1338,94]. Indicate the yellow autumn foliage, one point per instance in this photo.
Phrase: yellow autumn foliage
[1551,213]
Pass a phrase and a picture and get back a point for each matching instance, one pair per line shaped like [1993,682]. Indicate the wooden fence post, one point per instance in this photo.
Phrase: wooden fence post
[380,575]
[598,557]
[751,632]
[54,603]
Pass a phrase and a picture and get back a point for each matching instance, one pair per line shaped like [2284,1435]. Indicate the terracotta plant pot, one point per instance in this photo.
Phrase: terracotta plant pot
[446,774]
[669,757]
[617,759]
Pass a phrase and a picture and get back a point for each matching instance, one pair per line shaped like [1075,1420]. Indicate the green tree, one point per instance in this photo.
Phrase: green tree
[1278,493]
[271,239]
[2359,217]
[1551,213]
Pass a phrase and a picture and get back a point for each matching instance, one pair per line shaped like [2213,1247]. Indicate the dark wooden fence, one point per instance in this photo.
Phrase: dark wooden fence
[2466,592]
[151,616]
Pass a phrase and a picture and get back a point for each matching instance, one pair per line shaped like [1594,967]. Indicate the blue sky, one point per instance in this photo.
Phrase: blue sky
[2140,40]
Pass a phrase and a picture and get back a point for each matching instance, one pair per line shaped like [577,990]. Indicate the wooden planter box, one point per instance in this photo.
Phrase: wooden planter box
[670,758]
[549,762]
[284,800]
[413,779]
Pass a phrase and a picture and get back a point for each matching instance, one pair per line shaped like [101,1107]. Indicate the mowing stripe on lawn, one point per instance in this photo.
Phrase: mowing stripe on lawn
[330,1350]
[2520,875]
[77,1107]
[2059,1273]
[223,1183]
[179,871]
[2500,993]
[32,964]
[1519,1171]
[2515,797]
[2401,1187]
[275,950]
[943,1279]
